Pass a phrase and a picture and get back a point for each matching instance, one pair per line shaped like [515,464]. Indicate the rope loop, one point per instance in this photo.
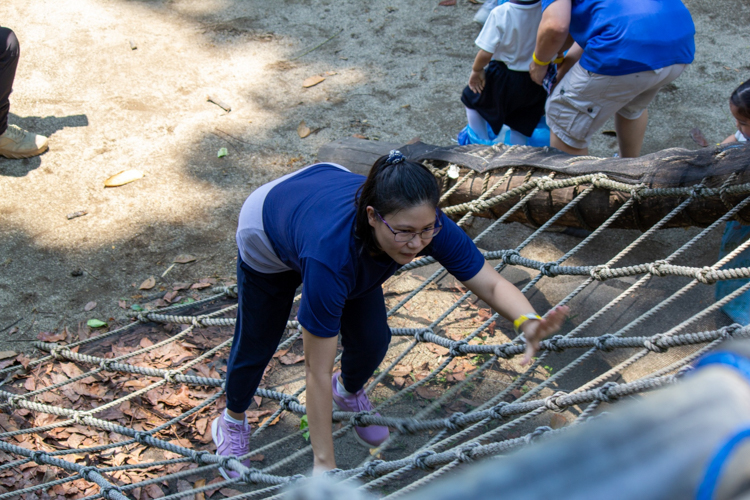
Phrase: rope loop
[603,393]
[655,267]
[635,193]
[36,456]
[602,342]
[231,292]
[109,490]
[497,410]
[552,344]
[466,453]
[729,330]
[286,402]
[200,457]
[55,352]
[697,190]
[14,400]
[371,466]
[597,272]
[653,343]
[703,275]
[509,255]
[455,349]
[78,417]
[169,376]
[143,318]
[552,404]
[420,462]
[546,269]
[530,438]
[419,336]
[455,421]
[224,460]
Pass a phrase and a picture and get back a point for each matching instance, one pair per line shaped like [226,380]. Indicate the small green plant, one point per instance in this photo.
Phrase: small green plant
[442,380]
[548,368]
[303,426]
[525,389]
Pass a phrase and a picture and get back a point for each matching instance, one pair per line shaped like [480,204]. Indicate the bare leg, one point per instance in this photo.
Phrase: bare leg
[555,142]
[630,134]
[235,415]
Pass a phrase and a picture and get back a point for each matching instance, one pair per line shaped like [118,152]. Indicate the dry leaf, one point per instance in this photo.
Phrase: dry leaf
[437,349]
[229,492]
[154,491]
[184,258]
[273,422]
[180,286]
[8,354]
[199,286]
[148,284]
[303,130]
[257,458]
[556,421]
[401,370]
[447,3]
[89,306]
[123,177]
[359,136]
[170,296]
[51,336]
[427,393]
[122,304]
[697,136]
[312,81]
[253,416]
[291,358]
[280,353]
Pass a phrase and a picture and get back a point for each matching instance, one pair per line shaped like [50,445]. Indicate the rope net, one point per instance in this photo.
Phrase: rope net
[127,413]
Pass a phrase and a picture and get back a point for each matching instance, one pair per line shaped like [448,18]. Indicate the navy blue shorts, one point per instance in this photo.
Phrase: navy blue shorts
[265,302]
[509,97]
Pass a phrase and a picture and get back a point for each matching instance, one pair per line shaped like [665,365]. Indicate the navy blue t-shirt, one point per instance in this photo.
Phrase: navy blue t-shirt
[622,37]
[309,219]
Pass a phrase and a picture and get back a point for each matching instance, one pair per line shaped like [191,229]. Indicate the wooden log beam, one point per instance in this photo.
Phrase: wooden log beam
[660,181]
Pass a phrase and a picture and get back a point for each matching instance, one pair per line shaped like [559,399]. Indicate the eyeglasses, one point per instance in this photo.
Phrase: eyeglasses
[404,236]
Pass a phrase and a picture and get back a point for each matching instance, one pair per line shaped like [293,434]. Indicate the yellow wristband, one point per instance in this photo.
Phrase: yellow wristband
[523,319]
[537,61]
[558,60]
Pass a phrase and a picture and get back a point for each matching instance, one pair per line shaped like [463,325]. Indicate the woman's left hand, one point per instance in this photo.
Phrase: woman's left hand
[537,330]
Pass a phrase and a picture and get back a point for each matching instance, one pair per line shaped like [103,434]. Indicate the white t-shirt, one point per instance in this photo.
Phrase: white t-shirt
[740,137]
[510,33]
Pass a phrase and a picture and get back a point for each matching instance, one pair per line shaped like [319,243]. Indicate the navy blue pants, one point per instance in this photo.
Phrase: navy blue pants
[9,53]
[265,302]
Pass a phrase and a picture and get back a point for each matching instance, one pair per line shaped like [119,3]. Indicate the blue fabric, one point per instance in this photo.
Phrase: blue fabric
[309,220]
[728,359]
[621,37]
[738,309]
[707,487]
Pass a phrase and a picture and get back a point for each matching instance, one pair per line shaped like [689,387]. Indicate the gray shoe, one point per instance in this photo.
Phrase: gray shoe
[19,143]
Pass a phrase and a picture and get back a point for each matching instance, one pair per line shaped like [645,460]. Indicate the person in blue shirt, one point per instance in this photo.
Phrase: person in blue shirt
[342,235]
[621,53]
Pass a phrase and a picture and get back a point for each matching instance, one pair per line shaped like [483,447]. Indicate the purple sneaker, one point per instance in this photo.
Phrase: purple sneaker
[370,436]
[231,440]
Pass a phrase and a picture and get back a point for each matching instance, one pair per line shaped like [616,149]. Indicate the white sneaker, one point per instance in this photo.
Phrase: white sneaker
[16,142]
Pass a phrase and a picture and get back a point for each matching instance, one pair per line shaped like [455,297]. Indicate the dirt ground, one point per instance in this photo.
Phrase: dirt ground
[120,85]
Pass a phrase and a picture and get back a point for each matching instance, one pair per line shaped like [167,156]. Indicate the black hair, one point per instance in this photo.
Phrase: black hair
[391,187]
[741,99]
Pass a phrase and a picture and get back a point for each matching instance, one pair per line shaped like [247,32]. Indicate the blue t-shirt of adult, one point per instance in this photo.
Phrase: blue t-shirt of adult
[309,219]
[621,37]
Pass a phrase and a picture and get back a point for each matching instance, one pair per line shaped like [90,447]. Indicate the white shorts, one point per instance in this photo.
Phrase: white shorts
[581,104]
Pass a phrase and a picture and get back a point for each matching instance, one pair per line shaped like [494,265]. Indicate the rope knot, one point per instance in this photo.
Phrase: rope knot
[420,460]
[231,292]
[78,417]
[509,256]
[501,351]
[419,336]
[697,190]
[333,472]
[546,269]
[552,344]
[704,275]
[530,438]
[169,376]
[143,318]
[655,343]
[497,410]
[466,453]
[406,427]
[602,342]
[286,402]
[455,421]
[108,491]
[356,419]
[140,437]
[552,404]
[55,352]
[603,393]
[730,330]
[635,193]
[106,365]
[456,350]
[371,467]
[200,457]
[655,267]
[249,476]
[85,471]
[599,272]
[36,456]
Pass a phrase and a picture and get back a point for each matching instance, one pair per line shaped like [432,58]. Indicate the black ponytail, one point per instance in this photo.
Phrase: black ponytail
[394,183]
[741,99]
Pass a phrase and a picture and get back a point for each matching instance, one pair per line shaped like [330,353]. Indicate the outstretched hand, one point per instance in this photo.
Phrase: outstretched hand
[476,81]
[536,331]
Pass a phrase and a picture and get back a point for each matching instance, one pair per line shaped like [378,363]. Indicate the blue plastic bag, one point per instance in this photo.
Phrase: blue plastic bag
[738,309]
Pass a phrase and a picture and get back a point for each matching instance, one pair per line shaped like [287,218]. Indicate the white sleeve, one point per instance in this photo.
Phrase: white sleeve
[494,29]
[740,138]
